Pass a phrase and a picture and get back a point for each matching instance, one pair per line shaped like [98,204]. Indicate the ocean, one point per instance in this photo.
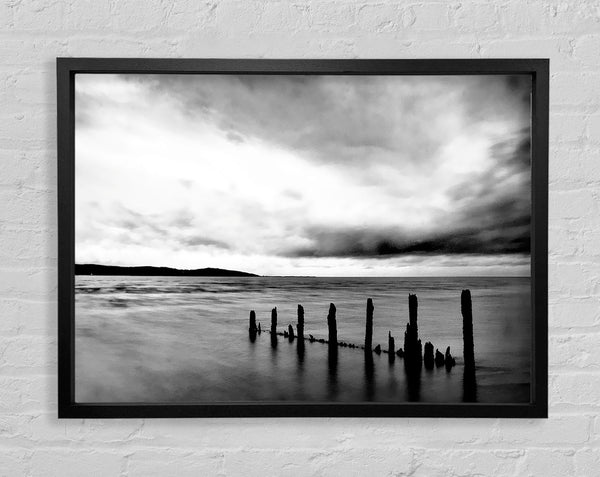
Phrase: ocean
[186,340]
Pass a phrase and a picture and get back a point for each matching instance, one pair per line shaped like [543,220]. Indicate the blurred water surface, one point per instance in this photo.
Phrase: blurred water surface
[185,339]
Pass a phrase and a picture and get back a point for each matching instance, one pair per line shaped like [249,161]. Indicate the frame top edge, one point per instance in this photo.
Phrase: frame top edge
[341,66]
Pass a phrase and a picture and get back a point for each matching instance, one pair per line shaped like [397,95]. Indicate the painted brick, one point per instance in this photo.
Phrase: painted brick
[431,16]
[75,462]
[547,462]
[587,461]
[175,462]
[574,313]
[575,388]
[37,15]
[573,204]
[452,462]
[34,32]
[575,350]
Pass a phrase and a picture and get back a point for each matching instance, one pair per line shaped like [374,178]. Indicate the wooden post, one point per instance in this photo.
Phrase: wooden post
[252,330]
[290,332]
[300,326]
[413,306]
[413,351]
[252,327]
[439,358]
[274,321]
[369,327]
[449,361]
[391,347]
[332,325]
[274,327]
[469,379]
[466,310]
[332,351]
[428,356]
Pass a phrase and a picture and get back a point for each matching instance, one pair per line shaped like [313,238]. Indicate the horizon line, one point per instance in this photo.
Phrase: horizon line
[256,275]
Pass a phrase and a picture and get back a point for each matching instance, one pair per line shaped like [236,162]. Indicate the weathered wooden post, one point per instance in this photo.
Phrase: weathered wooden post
[274,321]
[466,310]
[274,327]
[469,379]
[332,352]
[300,326]
[290,332]
[413,306]
[428,355]
[391,347]
[252,330]
[413,350]
[449,361]
[439,358]
[369,327]
[332,325]
[252,326]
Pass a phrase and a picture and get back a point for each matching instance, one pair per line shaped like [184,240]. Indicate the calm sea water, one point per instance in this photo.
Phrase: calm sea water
[185,339]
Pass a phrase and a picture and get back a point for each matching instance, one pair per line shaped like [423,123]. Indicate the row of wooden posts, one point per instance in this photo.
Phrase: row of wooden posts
[412,353]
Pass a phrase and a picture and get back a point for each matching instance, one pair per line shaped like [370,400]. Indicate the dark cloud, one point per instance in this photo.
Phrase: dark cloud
[402,122]
[492,215]
[125,218]
[200,240]
[349,119]
[176,229]
[181,219]
[235,137]
[505,238]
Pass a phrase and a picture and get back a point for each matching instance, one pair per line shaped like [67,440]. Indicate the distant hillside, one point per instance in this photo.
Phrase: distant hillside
[91,269]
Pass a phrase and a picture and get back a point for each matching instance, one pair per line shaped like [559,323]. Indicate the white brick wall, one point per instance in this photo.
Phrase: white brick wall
[34,32]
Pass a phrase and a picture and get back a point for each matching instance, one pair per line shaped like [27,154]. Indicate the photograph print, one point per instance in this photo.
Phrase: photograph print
[302,238]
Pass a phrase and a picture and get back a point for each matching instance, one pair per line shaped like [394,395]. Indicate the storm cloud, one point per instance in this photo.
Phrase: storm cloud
[349,119]
[284,174]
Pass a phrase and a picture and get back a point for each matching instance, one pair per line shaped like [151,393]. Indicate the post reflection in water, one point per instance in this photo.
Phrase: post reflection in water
[469,385]
[332,362]
[469,381]
[273,340]
[369,375]
[300,337]
[413,382]
[252,329]
[300,351]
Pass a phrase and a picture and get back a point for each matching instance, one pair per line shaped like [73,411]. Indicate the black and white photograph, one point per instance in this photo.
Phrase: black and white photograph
[305,238]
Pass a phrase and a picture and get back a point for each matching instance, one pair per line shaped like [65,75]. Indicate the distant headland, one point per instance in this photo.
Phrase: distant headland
[93,269]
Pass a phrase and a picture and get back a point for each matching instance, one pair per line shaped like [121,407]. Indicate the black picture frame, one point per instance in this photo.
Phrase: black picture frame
[66,69]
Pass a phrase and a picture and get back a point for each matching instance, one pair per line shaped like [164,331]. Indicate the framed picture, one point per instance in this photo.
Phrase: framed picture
[302,238]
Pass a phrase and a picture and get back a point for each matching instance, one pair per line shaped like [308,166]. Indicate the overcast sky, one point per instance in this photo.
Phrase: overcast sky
[305,175]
